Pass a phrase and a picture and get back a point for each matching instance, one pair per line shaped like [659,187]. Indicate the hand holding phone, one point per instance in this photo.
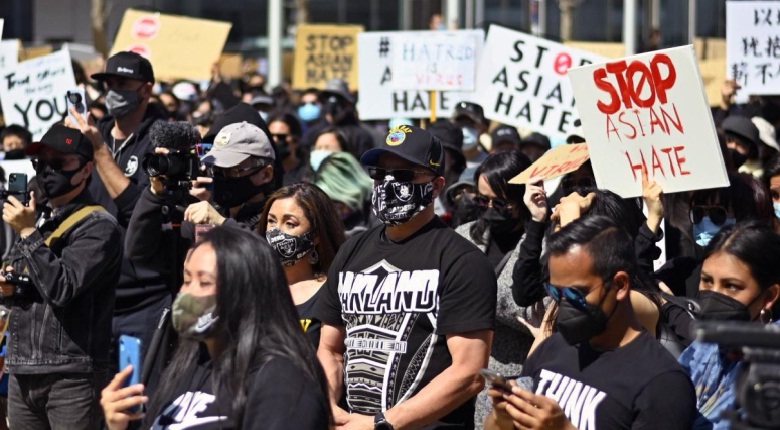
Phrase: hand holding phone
[130,354]
[17,187]
[496,380]
[76,99]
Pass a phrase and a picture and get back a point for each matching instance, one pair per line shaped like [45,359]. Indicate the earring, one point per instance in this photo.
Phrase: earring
[314,257]
[766,316]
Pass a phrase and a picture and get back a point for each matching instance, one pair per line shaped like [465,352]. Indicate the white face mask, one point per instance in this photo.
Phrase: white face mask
[470,138]
[317,157]
[776,206]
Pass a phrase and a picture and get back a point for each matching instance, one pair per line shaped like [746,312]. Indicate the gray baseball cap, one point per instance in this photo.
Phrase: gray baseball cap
[237,142]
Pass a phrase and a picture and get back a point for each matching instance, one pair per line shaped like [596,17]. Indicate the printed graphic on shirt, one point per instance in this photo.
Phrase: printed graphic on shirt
[132,166]
[577,400]
[390,317]
[185,412]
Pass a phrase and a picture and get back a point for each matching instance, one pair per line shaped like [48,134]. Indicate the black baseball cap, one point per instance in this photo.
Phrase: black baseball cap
[470,110]
[742,126]
[129,65]
[410,143]
[537,139]
[506,133]
[63,139]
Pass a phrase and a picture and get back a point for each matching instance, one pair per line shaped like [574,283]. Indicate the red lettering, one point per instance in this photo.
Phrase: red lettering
[668,152]
[680,160]
[562,63]
[637,87]
[633,129]
[663,84]
[667,119]
[600,78]
[618,69]
[657,163]
[637,83]
[613,129]
[654,120]
[637,167]
[639,121]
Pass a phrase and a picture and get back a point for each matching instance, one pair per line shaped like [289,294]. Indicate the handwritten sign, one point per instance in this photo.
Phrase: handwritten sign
[435,60]
[522,81]
[33,92]
[554,163]
[379,97]
[649,112]
[324,52]
[753,46]
[178,47]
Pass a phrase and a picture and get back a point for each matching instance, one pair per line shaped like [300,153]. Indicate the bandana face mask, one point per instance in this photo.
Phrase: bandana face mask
[395,202]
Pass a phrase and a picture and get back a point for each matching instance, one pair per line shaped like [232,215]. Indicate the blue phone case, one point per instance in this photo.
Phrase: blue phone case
[130,353]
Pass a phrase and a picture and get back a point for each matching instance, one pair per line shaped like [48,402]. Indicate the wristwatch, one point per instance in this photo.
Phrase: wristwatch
[380,422]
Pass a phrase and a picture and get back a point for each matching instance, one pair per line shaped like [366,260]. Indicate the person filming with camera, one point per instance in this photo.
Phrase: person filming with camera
[60,326]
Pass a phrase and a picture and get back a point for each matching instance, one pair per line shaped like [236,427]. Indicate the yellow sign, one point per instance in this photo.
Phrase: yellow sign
[325,52]
[555,162]
[178,47]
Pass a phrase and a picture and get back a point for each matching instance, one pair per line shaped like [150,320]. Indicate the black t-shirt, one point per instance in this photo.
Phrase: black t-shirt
[398,302]
[280,397]
[309,323]
[637,386]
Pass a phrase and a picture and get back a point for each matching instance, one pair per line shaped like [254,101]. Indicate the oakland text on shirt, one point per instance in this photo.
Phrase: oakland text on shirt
[577,400]
[383,288]
[183,413]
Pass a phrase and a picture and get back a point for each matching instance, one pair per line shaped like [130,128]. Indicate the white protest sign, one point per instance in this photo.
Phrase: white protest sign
[753,46]
[9,53]
[649,111]
[2,23]
[436,60]
[378,98]
[33,92]
[18,166]
[522,81]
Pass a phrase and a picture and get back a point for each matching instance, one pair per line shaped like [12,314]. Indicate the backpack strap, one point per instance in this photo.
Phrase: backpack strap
[71,221]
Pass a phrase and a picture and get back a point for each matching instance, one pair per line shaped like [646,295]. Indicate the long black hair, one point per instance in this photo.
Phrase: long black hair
[257,323]
[498,169]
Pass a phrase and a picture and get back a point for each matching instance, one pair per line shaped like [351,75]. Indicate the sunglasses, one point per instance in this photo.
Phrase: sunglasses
[56,164]
[498,204]
[717,214]
[235,172]
[403,175]
[573,295]
[279,137]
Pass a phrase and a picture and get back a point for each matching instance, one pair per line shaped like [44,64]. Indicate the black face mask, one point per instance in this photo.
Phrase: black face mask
[290,248]
[282,150]
[500,222]
[720,307]
[15,154]
[738,158]
[580,325]
[55,183]
[233,192]
[466,210]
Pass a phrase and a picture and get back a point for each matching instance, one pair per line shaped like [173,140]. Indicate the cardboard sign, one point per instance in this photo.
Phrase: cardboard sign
[324,52]
[378,97]
[649,112]
[554,163]
[435,60]
[753,46]
[522,81]
[178,47]
[33,92]
[9,53]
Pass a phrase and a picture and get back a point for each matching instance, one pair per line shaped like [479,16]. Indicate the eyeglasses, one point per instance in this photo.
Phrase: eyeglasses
[498,204]
[235,172]
[56,164]
[281,137]
[573,295]
[403,175]
[717,214]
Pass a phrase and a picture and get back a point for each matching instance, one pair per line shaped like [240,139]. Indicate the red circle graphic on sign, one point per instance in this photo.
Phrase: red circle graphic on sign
[146,27]
[562,63]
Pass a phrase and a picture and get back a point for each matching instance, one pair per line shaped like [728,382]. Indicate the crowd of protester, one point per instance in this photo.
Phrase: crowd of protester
[316,271]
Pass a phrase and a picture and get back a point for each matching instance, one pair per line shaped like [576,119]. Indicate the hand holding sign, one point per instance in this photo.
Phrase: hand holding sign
[652,194]
[554,163]
[535,199]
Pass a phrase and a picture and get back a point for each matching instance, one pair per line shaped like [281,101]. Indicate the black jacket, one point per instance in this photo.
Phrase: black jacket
[62,323]
[138,286]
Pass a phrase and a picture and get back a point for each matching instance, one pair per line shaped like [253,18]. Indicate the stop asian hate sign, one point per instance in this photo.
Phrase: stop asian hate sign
[649,112]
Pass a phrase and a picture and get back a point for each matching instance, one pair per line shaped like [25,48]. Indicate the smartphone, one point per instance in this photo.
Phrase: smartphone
[17,187]
[496,380]
[130,353]
[77,99]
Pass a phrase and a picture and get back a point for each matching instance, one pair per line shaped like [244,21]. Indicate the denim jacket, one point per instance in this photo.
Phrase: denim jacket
[62,323]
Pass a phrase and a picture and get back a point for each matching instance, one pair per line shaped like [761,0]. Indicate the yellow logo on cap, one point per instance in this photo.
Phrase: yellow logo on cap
[222,138]
[397,135]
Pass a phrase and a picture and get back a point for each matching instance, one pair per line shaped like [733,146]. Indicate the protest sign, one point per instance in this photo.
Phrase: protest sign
[379,99]
[2,23]
[521,81]
[435,61]
[324,52]
[178,47]
[18,166]
[649,112]
[753,46]
[33,92]
[554,163]
[9,53]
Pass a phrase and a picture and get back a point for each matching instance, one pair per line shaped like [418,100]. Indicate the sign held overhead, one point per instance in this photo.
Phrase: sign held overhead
[324,52]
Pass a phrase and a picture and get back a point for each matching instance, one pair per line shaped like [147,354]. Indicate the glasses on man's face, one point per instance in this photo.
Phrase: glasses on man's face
[279,137]
[403,175]
[498,204]
[717,214]
[573,295]
[56,164]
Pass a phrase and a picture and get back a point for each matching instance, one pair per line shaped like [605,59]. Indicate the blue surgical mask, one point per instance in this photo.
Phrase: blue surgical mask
[704,231]
[776,205]
[309,112]
[264,115]
[317,157]
[470,138]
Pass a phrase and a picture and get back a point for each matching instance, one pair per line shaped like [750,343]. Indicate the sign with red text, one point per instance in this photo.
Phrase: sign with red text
[554,163]
[753,46]
[649,111]
[522,81]
[379,98]
[435,60]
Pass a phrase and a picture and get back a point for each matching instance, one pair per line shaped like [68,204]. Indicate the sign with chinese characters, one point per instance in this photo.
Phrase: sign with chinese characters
[753,46]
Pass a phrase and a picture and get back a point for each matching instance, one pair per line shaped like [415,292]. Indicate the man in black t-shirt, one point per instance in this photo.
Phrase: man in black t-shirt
[600,370]
[409,306]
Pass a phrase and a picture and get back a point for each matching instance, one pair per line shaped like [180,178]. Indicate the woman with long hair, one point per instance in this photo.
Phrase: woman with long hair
[242,360]
[301,224]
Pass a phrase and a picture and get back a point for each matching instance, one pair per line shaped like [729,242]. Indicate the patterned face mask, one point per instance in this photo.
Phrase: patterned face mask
[290,248]
[396,202]
[193,317]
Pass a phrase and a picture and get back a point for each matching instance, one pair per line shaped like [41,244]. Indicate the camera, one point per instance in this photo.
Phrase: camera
[23,287]
[175,165]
